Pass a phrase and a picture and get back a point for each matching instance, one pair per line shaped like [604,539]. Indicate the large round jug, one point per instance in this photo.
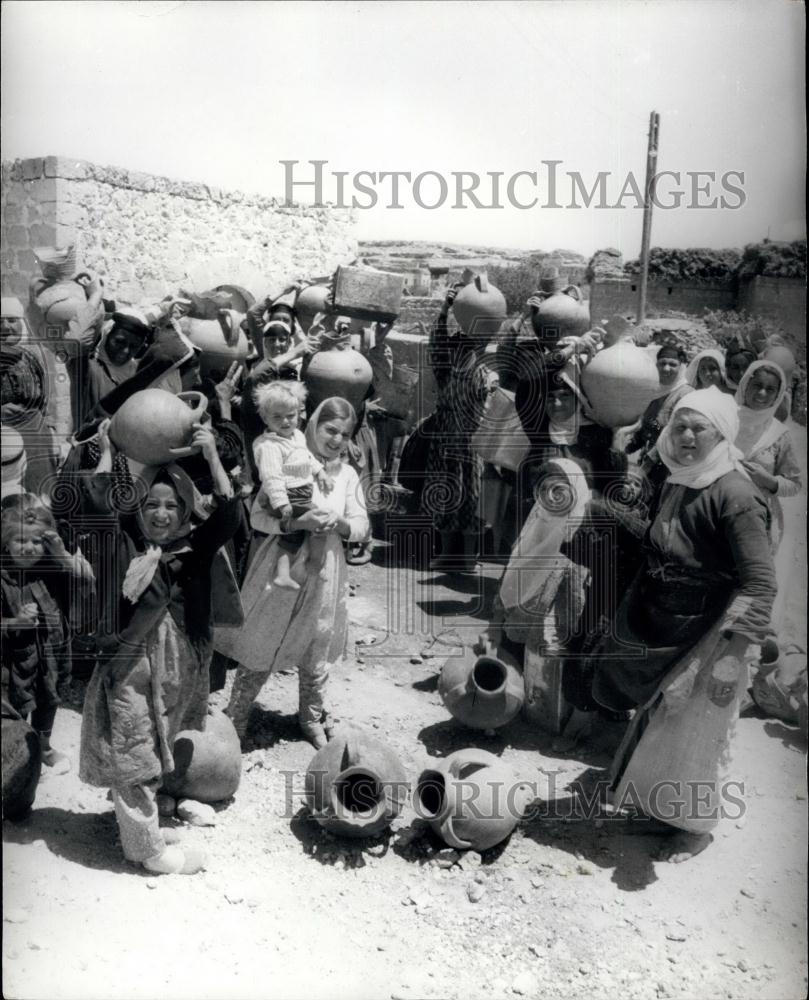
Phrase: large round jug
[207,764]
[60,302]
[22,765]
[153,426]
[309,302]
[619,383]
[221,341]
[480,308]
[355,786]
[338,372]
[483,688]
[562,314]
[471,799]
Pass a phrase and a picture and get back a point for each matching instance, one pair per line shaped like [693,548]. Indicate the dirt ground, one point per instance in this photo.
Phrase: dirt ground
[565,908]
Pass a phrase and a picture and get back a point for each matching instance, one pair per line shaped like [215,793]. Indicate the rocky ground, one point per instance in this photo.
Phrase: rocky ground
[565,908]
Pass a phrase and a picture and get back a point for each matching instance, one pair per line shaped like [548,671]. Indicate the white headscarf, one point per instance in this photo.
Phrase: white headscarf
[721,410]
[536,556]
[757,427]
[693,368]
[14,463]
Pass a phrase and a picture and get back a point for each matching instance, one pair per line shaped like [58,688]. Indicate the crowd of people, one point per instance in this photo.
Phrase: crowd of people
[641,558]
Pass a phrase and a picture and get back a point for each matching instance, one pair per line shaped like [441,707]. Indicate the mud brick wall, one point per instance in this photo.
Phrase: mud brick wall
[146,234]
[781,300]
[621,296]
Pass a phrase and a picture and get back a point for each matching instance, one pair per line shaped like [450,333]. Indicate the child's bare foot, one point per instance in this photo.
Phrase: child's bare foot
[174,860]
[683,846]
[286,581]
[60,762]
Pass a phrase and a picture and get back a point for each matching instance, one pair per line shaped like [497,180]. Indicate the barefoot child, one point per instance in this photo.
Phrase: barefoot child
[288,471]
[43,591]
[151,680]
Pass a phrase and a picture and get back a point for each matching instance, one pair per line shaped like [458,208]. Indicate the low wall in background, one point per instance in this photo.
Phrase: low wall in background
[146,235]
[781,300]
[620,296]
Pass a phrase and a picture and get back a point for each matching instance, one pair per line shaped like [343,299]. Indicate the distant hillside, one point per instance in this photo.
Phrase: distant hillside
[405,255]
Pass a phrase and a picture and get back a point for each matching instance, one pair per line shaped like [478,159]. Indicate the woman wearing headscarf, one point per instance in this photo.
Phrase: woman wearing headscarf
[739,355]
[154,641]
[765,442]
[123,340]
[676,652]
[306,628]
[670,363]
[706,369]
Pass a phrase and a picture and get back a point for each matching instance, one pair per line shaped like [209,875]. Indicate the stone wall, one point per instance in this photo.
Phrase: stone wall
[620,295]
[146,235]
[781,300]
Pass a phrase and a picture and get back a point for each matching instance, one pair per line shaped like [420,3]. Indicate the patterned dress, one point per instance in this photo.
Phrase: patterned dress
[451,491]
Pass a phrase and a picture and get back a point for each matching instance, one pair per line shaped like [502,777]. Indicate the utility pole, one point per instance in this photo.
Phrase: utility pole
[651,170]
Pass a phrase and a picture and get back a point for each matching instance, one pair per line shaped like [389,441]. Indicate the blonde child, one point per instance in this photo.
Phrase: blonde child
[288,471]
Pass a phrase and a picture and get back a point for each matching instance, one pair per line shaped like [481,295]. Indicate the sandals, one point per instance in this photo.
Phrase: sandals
[358,554]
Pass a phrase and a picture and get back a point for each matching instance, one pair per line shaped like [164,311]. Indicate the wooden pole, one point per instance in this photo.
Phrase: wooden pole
[651,170]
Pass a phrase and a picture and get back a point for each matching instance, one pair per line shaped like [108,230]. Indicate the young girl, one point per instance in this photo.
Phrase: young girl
[706,369]
[765,442]
[44,589]
[308,628]
[154,642]
[288,472]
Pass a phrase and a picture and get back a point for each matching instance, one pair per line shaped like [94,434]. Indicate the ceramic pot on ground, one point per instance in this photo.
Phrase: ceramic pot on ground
[153,426]
[207,764]
[483,688]
[619,383]
[479,307]
[355,785]
[22,766]
[471,799]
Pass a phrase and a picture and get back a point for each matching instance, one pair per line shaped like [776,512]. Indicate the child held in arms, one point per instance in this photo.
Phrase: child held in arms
[288,471]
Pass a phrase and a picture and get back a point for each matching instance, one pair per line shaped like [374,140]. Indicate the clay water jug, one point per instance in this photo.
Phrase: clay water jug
[471,799]
[309,302]
[355,786]
[221,341]
[338,372]
[22,764]
[561,314]
[207,764]
[153,426]
[479,307]
[619,383]
[483,688]
[59,302]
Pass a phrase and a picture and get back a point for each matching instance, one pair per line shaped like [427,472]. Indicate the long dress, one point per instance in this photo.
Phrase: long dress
[451,490]
[775,454]
[307,627]
[708,572]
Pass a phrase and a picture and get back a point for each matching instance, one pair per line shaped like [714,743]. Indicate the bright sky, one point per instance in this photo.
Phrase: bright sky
[221,92]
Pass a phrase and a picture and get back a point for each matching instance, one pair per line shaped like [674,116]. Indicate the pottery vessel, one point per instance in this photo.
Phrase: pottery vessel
[483,688]
[22,766]
[479,307]
[338,372]
[309,302]
[619,383]
[207,764]
[220,341]
[153,426]
[471,799]
[355,785]
[562,314]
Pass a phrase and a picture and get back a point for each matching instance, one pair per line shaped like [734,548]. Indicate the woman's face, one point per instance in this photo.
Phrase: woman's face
[275,344]
[709,373]
[561,404]
[667,369]
[693,436]
[120,346]
[331,436]
[161,514]
[10,331]
[737,364]
[762,390]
